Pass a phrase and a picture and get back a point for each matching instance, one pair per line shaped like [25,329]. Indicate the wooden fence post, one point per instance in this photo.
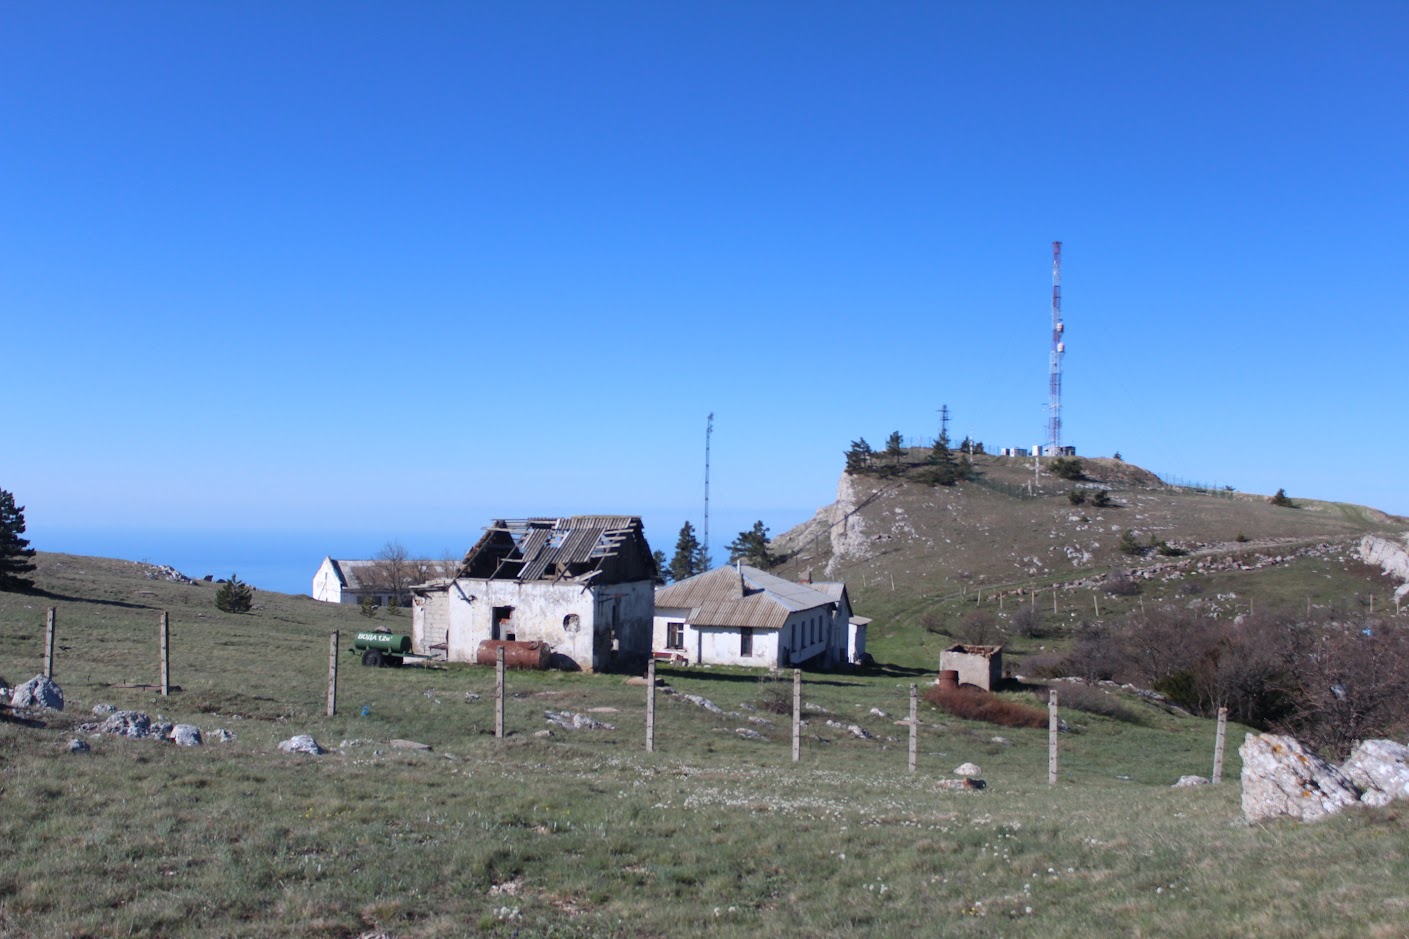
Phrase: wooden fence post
[1218,746]
[165,631]
[333,673]
[651,707]
[49,642]
[1054,601]
[797,714]
[914,728]
[1052,724]
[499,692]
[1096,602]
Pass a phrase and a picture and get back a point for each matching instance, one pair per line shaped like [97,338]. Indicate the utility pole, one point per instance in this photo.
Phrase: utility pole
[709,432]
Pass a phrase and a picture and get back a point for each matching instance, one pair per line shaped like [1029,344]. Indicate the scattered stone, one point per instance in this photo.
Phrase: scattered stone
[78,746]
[861,733]
[1002,740]
[961,785]
[38,692]
[134,725]
[1280,778]
[407,745]
[745,706]
[968,769]
[471,697]
[877,712]
[760,720]
[601,710]
[703,702]
[223,735]
[569,720]
[1186,782]
[186,735]
[302,743]
[1380,769]
[353,742]
[103,710]
[748,733]
[542,733]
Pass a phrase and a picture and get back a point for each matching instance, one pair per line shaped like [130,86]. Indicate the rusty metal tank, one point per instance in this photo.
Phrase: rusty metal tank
[532,655]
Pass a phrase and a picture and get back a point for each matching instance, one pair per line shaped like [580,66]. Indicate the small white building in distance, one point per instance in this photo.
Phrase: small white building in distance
[740,615]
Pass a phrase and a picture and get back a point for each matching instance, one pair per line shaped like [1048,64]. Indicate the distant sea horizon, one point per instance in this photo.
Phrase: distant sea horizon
[285,560]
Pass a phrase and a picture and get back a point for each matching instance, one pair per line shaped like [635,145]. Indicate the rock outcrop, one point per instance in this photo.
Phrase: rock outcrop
[1391,556]
[1282,779]
[302,743]
[38,692]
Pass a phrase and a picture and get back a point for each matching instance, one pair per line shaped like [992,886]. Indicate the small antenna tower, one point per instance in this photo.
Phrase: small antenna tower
[1059,348]
[709,431]
[944,421]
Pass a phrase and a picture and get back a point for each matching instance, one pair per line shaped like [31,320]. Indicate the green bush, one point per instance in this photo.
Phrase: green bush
[1067,467]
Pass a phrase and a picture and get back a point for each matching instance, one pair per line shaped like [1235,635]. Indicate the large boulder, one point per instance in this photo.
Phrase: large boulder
[185,735]
[1280,778]
[1380,769]
[302,743]
[38,692]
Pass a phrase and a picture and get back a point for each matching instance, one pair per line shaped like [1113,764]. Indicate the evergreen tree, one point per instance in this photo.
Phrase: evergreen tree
[1279,499]
[751,547]
[15,552]
[940,452]
[662,568]
[690,557]
[895,446]
[234,596]
[858,458]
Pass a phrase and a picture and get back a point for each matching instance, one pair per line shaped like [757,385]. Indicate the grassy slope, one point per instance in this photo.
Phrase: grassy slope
[939,551]
[585,834]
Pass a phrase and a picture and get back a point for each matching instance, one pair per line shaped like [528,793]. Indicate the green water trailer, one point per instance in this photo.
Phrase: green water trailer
[381,649]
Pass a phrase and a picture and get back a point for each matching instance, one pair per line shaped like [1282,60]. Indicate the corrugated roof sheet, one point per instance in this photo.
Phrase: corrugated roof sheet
[546,548]
[742,596]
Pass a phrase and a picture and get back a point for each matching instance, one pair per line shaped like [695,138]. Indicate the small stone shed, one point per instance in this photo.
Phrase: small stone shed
[976,665]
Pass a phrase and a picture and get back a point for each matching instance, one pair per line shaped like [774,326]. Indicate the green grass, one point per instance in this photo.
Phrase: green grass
[585,834]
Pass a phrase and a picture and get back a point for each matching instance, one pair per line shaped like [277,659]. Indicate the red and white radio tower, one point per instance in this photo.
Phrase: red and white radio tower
[1059,347]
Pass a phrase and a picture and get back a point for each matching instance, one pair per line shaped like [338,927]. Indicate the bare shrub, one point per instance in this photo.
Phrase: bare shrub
[978,628]
[1028,623]
[775,694]
[932,622]
[1095,700]
[977,705]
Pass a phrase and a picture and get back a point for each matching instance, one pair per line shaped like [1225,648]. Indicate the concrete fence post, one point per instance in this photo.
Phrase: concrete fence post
[165,635]
[914,727]
[49,622]
[1053,723]
[1218,745]
[499,692]
[651,707]
[333,673]
[797,714]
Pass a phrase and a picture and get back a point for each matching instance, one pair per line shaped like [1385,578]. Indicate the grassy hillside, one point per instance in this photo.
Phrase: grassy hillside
[913,552]
[583,833]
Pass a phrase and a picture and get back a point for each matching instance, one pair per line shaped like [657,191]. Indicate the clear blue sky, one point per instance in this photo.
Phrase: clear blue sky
[354,271]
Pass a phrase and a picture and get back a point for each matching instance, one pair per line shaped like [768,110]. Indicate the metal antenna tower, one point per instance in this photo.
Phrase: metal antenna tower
[709,431]
[1059,348]
[944,421]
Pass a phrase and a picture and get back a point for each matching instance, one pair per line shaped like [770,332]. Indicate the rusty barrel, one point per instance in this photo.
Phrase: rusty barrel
[533,654]
[949,679]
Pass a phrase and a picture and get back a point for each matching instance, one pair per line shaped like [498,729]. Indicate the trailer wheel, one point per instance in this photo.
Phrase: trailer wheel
[394,661]
[372,658]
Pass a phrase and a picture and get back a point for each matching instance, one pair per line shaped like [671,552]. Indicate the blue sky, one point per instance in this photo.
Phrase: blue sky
[343,272]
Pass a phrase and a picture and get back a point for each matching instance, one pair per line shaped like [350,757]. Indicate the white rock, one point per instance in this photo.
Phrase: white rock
[186,735]
[38,692]
[1187,781]
[968,769]
[133,724]
[1280,778]
[223,735]
[748,733]
[78,746]
[1380,768]
[302,743]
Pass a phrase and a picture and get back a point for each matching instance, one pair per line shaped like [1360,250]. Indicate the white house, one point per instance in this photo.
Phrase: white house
[584,585]
[741,615]
[344,581]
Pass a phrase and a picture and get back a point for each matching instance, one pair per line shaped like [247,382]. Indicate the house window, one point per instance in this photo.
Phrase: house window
[746,641]
[675,635]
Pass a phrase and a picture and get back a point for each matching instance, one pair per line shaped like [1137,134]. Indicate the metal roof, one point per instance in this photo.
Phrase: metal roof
[553,549]
[740,596]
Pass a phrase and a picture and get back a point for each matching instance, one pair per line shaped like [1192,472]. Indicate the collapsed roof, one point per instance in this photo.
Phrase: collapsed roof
[582,549]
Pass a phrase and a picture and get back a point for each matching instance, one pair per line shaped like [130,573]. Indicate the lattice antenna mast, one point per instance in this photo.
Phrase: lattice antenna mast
[944,421]
[1054,407]
[709,432]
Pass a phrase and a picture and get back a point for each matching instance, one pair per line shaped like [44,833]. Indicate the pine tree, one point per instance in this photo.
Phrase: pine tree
[234,596]
[751,547]
[858,457]
[662,567]
[690,558]
[15,552]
